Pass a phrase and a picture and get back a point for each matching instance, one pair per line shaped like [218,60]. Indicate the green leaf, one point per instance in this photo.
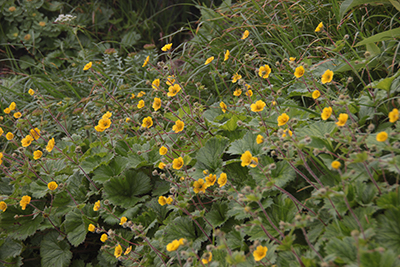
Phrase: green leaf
[383,36]
[75,227]
[349,4]
[124,191]
[343,249]
[10,249]
[114,168]
[390,200]
[248,142]
[130,38]
[38,189]
[217,215]
[209,156]
[53,252]
[388,232]
[375,258]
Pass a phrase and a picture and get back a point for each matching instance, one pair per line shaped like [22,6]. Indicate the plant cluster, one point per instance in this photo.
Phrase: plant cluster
[203,154]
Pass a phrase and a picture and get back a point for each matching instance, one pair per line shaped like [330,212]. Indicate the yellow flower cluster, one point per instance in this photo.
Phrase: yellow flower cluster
[104,123]
[97,205]
[25,200]
[201,185]
[174,245]
[248,159]
[164,200]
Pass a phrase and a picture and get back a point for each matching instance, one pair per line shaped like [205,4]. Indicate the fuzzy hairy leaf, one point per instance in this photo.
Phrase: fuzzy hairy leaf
[54,252]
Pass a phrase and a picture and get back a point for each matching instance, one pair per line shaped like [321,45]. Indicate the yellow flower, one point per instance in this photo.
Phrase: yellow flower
[156,104]
[283,119]
[146,61]
[381,137]
[163,150]
[103,238]
[199,186]
[260,253]
[178,127]
[236,77]
[166,47]
[123,220]
[25,200]
[97,205]
[319,27]
[342,119]
[141,93]
[128,250]
[292,58]
[11,8]
[17,115]
[207,257]
[37,154]
[31,92]
[177,163]
[161,165]
[12,106]
[1,131]
[118,251]
[246,158]
[237,92]
[285,131]
[258,106]
[264,71]
[245,35]
[223,107]
[209,60]
[162,200]
[174,245]
[42,24]
[87,66]
[25,142]
[211,179]
[226,55]
[326,113]
[52,186]
[9,136]
[50,145]
[140,104]
[299,71]
[170,80]
[35,133]
[259,139]
[107,115]
[327,76]
[169,200]
[249,93]
[335,164]
[3,206]
[147,122]
[104,123]
[127,119]
[254,162]
[7,111]
[132,96]
[394,115]
[222,179]
[316,94]
[173,90]
[91,228]
[155,84]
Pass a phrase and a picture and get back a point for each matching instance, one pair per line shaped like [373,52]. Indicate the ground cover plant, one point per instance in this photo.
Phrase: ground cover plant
[271,138]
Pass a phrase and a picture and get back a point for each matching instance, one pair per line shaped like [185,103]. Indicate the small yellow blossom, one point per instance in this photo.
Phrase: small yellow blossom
[141,93]
[133,96]
[258,106]
[211,179]
[147,122]
[287,131]
[260,253]
[140,104]
[162,200]
[7,111]
[209,60]
[199,186]
[37,154]
[206,258]
[237,92]
[35,133]
[161,165]
[177,163]
[316,94]
[9,136]
[12,106]
[97,205]
[91,228]
[146,61]
[223,107]
[246,158]
[1,131]
[319,27]
[107,115]
[226,55]
[178,127]
[173,90]
[87,66]
[169,200]
[3,206]
[292,58]
[163,150]
[25,200]
[31,92]
[222,179]
[249,93]
[25,142]
[123,220]
[170,80]
[103,238]
[128,250]
[52,186]
[299,71]
[156,104]
[50,145]
[155,84]
[394,115]
[127,119]
[17,115]
[245,34]
[342,119]
[259,139]
[326,113]
[264,71]
[166,47]
[283,119]
[118,251]
[236,77]
[174,245]
[327,76]
[335,164]
[381,137]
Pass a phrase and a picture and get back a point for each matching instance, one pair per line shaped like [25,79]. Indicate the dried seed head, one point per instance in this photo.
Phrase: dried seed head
[107,202]
[286,145]
[355,233]
[163,176]
[350,80]
[371,127]
[367,54]
[237,227]
[307,140]
[341,97]
[155,173]
[272,166]
[346,36]
[172,190]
